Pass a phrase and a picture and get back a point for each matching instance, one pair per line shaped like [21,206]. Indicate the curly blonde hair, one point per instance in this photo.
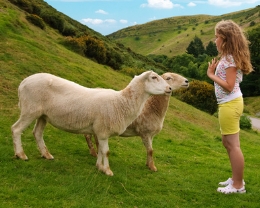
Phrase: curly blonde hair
[235,43]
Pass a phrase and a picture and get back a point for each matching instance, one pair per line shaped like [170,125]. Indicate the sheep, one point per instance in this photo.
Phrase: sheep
[150,121]
[73,108]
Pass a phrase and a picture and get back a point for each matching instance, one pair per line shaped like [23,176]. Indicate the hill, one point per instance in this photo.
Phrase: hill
[188,152]
[171,36]
[85,41]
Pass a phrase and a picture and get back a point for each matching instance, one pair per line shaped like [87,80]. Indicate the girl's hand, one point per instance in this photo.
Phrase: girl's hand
[212,66]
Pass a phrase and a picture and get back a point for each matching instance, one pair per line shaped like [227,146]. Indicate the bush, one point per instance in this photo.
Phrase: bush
[36,20]
[95,49]
[201,95]
[245,122]
[53,19]
[68,29]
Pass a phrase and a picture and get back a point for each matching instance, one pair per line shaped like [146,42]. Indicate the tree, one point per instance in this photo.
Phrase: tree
[177,63]
[211,49]
[251,84]
[195,47]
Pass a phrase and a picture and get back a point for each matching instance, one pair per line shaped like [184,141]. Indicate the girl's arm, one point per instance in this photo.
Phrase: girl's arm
[231,72]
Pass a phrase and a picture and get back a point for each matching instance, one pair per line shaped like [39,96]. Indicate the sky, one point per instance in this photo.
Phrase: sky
[108,16]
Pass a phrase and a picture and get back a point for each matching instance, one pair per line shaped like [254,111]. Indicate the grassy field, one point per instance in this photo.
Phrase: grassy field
[188,151]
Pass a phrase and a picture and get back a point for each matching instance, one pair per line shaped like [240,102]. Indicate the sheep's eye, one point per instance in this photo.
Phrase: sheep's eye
[154,77]
[168,78]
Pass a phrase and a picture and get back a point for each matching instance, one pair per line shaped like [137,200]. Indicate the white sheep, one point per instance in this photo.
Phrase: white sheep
[150,121]
[77,109]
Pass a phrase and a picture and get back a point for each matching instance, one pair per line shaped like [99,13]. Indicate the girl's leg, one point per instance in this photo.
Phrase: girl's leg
[232,144]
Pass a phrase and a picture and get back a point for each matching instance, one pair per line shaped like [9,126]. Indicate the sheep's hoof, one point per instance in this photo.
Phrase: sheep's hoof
[109,172]
[21,155]
[153,168]
[48,156]
[93,153]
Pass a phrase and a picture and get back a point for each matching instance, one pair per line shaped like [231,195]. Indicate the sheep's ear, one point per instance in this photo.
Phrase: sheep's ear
[164,76]
[147,74]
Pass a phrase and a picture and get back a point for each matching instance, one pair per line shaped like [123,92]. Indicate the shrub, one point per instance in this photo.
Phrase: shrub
[36,20]
[75,44]
[24,4]
[200,94]
[95,48]
[68,29]
[245,122]
[114,59]
[53,19]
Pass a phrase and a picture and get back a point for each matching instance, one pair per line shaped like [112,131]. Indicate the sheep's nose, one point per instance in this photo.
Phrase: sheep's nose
[186,81]
[169,88]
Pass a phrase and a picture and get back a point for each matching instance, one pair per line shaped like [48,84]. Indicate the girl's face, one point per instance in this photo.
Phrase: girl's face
[218,41]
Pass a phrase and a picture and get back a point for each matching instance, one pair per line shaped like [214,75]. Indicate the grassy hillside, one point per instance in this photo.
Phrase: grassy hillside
[171,36]
[188,152]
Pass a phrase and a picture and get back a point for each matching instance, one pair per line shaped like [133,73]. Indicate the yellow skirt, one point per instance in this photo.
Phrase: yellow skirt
[229,116]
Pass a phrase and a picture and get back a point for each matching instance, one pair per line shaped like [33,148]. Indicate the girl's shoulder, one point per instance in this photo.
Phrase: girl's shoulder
[228,59]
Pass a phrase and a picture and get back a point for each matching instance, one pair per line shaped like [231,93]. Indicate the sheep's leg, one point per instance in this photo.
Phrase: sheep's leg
[103,153]
[17,129]
[147,141]
[38,134]
[90,145]
[96,141]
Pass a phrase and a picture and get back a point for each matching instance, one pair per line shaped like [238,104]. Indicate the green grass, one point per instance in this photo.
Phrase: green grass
[188,151]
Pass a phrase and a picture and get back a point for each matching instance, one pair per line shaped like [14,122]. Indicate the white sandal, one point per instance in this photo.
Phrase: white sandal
[229,189]
[228,181]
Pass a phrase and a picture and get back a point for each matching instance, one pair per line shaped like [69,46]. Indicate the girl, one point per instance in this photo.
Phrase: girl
[227,73]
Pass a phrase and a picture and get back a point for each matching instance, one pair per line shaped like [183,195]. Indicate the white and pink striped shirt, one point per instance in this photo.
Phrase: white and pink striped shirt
[221,94]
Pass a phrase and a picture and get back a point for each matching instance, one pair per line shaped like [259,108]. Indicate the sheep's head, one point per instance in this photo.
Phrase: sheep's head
[155,84]
[176,81]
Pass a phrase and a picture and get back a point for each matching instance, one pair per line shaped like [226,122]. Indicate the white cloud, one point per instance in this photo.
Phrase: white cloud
[92,21]
[224,3]
[123,21]
[111,21]
[160,4]
[100,11]
[97,21]
[191,4]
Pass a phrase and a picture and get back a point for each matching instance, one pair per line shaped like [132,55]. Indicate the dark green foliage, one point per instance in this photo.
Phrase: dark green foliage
[252,23]
[195,47]
[95,49]
[158,58]
[53,19]
[201,95]
[36,20]
[114,59]
[177,63]
[245,122]
[68,29]
[251,83]
[211,49]
[24,4]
